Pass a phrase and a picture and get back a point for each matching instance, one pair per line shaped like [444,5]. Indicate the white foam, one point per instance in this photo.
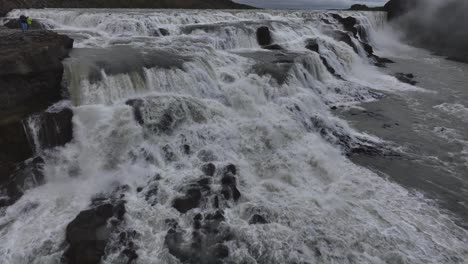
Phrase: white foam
[321,207]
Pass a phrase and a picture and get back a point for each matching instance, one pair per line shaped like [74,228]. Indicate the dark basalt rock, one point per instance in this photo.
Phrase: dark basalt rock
[229,184]
[257,219]
[346,38]
[191,200]
[273,47]
[312,45]
[30,79]
[164,31]
[208,169]
[55,128]
[231,168]
[406,78]
[87,235]
[348,23]
[136,105]
[264,36]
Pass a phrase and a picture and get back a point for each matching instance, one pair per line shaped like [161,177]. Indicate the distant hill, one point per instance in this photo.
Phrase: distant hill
[358,7]
[7,5]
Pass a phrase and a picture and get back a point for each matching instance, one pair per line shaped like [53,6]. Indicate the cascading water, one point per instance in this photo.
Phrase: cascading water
[221,151]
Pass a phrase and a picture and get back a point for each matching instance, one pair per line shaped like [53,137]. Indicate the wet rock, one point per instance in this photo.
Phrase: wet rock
[137,105]
[348,23]
[30,79]
[406,78]
[87,235]
[31,69]
[346,38]
[257,219]
[208,169]
[186,149]
[273,47]
[312,45]
[164,31]
[231,168]
[328,66]
[52,128]
[191,200]
[264,36]
[229,185]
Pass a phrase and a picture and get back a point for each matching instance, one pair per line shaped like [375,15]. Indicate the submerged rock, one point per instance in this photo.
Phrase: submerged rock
[205,244]
[406,78]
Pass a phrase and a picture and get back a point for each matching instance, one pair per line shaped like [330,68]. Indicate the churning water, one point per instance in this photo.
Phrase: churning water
[157,95]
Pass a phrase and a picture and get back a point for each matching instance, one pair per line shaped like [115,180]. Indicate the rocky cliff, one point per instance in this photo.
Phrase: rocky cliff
[30,81]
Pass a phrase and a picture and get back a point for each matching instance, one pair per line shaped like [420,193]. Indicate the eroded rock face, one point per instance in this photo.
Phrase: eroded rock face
[31,68]
[30,81]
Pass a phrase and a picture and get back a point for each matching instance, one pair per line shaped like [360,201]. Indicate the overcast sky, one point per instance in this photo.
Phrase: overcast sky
[309,4]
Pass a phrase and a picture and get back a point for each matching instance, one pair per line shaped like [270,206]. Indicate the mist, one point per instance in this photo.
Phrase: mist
[439,25]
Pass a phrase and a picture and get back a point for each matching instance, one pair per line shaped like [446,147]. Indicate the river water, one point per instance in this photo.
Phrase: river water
[345,167]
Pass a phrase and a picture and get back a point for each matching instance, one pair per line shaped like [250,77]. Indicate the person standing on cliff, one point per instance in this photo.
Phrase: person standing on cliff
[24,23]
[29,21]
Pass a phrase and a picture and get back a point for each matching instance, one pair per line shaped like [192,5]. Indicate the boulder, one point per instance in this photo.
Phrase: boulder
[406,78]
[349,23]
[87,235]
[264,36]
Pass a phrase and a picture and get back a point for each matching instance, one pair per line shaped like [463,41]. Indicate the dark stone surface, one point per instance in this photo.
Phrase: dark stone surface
[312,45]
[264,36]
[30,80]
[349,23]
[257,219]
[406,78]
[164,31]
[31,68]
[208,169]
[272,47]
[87,235]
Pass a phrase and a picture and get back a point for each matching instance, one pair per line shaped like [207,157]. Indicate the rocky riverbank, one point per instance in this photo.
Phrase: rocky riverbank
[30,79]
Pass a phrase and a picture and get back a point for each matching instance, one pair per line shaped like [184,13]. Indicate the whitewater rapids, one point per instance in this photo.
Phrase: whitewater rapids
[230,103]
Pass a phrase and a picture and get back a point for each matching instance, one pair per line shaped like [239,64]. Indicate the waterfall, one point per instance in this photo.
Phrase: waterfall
[221,150]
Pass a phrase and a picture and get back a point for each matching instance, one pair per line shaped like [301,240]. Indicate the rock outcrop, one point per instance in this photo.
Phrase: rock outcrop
[30,81]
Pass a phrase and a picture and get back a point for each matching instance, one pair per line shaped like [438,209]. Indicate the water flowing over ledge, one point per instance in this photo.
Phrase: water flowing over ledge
[195,144]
